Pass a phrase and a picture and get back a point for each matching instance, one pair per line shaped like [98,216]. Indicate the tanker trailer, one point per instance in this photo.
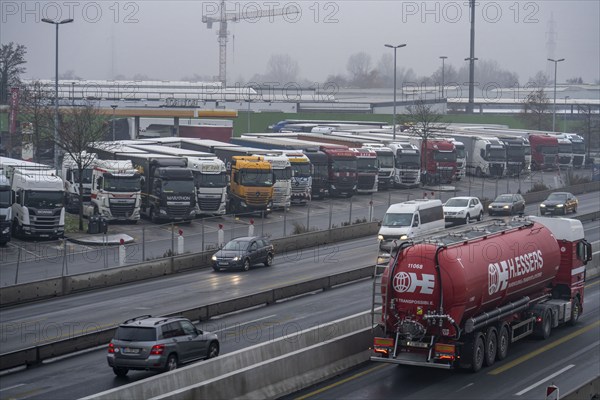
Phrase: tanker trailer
[459,299]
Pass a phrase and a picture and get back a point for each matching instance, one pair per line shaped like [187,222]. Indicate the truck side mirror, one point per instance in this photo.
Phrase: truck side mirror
[99,183]
[69,175]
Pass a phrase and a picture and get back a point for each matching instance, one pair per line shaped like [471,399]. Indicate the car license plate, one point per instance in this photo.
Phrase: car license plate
[223,263]
[129,350]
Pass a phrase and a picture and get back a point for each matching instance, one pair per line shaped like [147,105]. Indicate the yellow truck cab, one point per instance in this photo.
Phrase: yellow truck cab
[251,185]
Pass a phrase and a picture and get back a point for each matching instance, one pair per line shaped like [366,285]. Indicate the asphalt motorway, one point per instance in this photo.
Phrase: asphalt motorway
[529,361]
[28,261]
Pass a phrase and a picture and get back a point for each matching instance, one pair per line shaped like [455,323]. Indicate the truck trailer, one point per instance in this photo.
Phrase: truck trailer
[461,298]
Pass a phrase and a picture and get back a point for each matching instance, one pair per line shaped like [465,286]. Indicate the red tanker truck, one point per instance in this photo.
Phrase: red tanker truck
[461,298]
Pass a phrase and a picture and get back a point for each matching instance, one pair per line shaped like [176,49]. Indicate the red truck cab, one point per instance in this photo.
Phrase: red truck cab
[544,152]
[342,170]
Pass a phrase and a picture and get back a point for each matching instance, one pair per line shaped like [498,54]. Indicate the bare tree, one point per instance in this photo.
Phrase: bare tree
[359,67]
[424,121]
[536,110]
[282,68]
[35,102]
[78,128]
[540,79]
[590,124]
[12,59]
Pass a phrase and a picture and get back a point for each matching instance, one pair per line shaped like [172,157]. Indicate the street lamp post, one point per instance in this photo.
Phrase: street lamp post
[114,107]
[443,68]
[471,103]
[395,48]
[554,112]
[565,115]
[56,23]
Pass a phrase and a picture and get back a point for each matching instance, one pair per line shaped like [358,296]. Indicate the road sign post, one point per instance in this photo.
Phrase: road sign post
[552,392]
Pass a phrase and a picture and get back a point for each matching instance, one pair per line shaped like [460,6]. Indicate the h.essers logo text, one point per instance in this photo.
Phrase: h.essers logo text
[500,273]
[409,282]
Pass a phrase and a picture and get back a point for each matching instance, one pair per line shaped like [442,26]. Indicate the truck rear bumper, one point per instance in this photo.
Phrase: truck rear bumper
[404,360]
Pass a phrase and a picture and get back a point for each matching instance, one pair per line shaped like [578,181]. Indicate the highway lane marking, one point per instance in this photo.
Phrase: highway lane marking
[12,387]
[464,387]
[592,284]
[538,383]
[244,323]
[541,350]
[324,389]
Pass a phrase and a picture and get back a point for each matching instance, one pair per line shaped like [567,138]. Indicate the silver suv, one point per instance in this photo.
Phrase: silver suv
[159,344]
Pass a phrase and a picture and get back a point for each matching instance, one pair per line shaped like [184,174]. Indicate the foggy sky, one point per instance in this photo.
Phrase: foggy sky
[167,40]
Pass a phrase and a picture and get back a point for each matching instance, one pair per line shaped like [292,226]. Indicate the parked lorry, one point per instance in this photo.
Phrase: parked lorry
[72,179]
[5,209]
[438,159]
[282,171]
[320,172]
[301,176]
[168,190]
[407,163]
[250,185]
[461,159]
[210,177]
[38,209]
[115,191]
[544,152]
[367,170]
[342,170]
[565,153]
[385,159]
[447,304]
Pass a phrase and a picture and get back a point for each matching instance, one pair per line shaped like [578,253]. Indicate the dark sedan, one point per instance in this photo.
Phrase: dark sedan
[559,203]
[508,204]
[243,252]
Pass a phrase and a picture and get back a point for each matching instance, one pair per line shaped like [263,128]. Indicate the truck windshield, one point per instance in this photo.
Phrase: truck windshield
[496,154]
[386,160]
[549,149]
[565,148]
[39,199]
[178,186]
[256,177]
[444,156]
[397,219]
[340,164]
[283,174]
[86,176]
[527,150]
[320,171]
[515,153]
[121,183]
[578,147]
[301,170]
[408,160]
[211,180]
[4,197]
[367,164]
[460,152]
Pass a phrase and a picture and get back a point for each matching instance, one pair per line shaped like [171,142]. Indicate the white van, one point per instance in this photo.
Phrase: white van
[411,218]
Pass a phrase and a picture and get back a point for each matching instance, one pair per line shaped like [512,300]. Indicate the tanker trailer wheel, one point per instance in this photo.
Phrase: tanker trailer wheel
[473,352]
[491,345]
[542,329]
[503,341]
[575,311]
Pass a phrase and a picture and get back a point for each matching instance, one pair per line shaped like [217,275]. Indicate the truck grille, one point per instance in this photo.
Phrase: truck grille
[261,200]
[408,176]
[446,173]
[366,182]
[549,161]
[44,223]
[564,160]
[180,212]
[121,210]
[496,169]
[209,204]
[578,161]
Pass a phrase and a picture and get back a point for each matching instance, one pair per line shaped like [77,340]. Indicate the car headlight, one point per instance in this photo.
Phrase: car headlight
[6,230]
[542,205]
[506,207]
[560,205]
[214,258]
[162,211]
[379,237]
[490,206]
[236,258]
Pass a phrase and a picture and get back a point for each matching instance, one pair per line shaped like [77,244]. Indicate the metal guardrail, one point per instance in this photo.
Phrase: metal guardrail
[36,354]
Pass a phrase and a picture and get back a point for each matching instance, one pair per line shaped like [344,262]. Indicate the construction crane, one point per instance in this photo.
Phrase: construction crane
[235,17]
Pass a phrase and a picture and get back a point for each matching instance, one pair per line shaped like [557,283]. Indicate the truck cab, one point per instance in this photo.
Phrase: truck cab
[72,179]
[367,167]
[407,163]
[5,209]
[301,176]
[282,171]
[342,170]
[251,185]
[544,152]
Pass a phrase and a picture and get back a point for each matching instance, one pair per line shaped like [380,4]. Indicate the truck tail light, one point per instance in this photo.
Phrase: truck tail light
[383,345]
[111,348]
[157,349]
[445,351]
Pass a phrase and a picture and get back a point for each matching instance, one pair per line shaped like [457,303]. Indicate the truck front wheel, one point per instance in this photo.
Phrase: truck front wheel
[543,328]
[575,311]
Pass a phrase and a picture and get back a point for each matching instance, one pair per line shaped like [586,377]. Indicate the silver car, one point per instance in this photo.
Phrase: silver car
[158,344]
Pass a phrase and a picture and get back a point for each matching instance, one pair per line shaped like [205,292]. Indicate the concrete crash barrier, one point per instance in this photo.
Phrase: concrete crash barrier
[55,287]
[37,354]
[536,197]
[264,370]
[590,390]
